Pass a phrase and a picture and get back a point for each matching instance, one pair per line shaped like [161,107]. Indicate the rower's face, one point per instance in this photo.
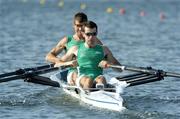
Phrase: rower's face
[90,35]
[78,28]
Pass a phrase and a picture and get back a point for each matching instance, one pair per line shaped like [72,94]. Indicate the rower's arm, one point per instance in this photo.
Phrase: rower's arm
[52,55]
[67,59]
[109,57]
[69,55]
[111,60]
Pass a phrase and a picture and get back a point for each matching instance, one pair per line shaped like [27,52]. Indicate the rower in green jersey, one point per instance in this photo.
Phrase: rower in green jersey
[90,58]
[67,42]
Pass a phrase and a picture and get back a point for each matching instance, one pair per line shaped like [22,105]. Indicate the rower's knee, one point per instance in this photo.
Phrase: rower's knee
[86,82]
[100,80]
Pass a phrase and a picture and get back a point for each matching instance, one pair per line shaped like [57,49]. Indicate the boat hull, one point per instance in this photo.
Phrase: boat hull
[100,98]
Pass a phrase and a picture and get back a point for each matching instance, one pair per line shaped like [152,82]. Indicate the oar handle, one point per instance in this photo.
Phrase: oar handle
[117,66]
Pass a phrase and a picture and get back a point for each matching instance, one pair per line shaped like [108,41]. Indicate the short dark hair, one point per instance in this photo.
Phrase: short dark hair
[81,17]
[91,25]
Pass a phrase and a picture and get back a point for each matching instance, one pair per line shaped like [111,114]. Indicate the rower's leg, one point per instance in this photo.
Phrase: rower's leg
[86,82]
[72,78]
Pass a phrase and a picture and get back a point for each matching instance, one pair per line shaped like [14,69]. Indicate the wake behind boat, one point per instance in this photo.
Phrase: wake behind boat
[107,98]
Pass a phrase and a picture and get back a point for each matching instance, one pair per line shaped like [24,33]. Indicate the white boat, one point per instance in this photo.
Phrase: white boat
[107,98]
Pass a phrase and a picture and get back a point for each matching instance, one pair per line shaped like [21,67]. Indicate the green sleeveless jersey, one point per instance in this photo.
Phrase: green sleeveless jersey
[72,42]
[89,59]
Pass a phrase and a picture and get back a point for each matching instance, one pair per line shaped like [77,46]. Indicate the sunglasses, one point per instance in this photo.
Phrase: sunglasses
[91,34]
[78,25]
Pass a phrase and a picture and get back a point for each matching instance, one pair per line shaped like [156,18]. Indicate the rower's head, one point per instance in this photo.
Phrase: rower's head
[90,32]
[79,19]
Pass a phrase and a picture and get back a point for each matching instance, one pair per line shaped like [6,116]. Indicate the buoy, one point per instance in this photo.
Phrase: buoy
[83,6]
[109,10]
[61,3]
[42,2]
[162,16]
[142,13]
[122,11]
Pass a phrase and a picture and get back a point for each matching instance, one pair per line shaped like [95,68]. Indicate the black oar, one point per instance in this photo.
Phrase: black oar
[43,81]
[23,70]
[29,73]
[144,75]
[147,70]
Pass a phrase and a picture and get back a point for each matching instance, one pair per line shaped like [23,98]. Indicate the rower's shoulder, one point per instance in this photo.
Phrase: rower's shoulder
[62,41]
[98,41]
[106,49]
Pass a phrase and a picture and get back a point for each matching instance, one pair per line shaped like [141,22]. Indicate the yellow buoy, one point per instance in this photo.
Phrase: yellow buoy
[83,6]
[61,3]
[42,2]
[109,10]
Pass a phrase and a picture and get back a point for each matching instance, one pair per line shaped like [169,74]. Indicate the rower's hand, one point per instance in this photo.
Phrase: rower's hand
[104,64]
[73,63]
[58,64]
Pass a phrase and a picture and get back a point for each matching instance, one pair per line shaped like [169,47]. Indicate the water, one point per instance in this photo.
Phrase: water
[29,30]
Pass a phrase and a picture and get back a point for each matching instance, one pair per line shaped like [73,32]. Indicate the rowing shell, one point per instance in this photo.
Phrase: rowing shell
[107,98]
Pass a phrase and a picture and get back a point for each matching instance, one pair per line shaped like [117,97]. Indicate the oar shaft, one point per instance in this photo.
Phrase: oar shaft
[144,81]
[7,74]
[170,74]
[147,71]
[48,70]
[28,74]
[135,69]
[11,78]
[21,71]
[43,80]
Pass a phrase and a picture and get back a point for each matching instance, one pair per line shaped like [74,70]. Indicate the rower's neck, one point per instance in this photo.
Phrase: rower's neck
[77,38]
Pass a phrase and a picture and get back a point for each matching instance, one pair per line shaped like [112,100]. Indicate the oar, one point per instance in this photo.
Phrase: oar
[32,75]
[23,70]
[28,74]
[145,75]
[147,70]
[42,80]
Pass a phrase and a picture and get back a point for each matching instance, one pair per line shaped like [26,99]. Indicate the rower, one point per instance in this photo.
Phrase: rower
[67,42]
[90,58]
